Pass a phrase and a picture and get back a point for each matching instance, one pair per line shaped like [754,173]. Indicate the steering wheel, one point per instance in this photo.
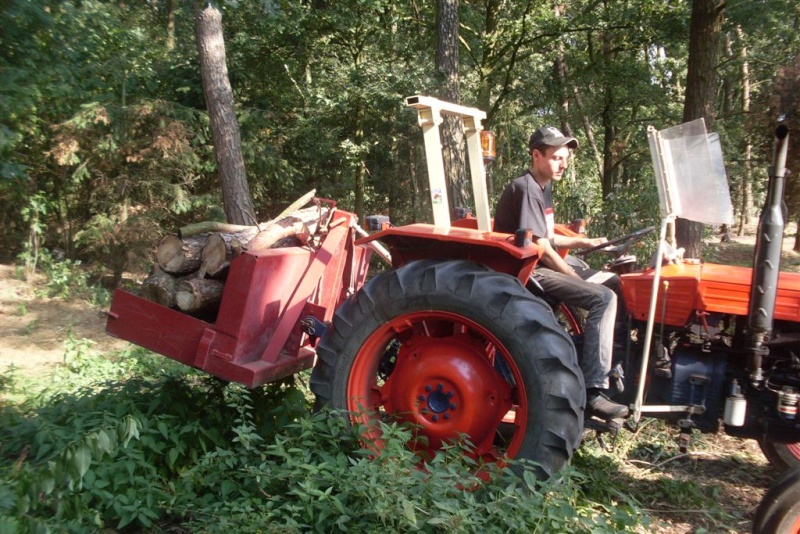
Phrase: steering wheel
[608,246]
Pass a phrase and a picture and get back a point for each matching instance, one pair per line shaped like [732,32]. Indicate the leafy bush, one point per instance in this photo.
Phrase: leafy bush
[136,441]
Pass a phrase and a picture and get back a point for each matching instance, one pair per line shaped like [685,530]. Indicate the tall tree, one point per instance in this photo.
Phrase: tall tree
[746,190]
[701,77]
[785,106]
[452,129]
[224,125]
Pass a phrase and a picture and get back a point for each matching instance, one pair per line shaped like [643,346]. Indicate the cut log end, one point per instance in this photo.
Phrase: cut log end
[198,295]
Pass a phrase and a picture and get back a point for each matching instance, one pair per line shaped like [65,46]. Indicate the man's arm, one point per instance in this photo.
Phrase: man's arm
[551,259]
[562,241]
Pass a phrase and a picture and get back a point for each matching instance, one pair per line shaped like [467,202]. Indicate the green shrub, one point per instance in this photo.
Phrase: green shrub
[134,443]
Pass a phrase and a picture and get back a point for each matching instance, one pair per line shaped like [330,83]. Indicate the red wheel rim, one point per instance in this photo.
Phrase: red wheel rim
[794,449]
[796,526]
[445,375]
[568,321]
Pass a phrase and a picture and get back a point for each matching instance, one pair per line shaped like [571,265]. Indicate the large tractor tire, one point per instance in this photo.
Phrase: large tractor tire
[781,456]
[779,510]
[453,349]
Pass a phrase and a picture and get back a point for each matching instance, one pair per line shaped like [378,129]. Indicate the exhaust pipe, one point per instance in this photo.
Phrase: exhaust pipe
[767,260]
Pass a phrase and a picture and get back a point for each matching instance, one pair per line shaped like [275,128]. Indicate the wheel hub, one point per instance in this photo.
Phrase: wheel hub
[448,387]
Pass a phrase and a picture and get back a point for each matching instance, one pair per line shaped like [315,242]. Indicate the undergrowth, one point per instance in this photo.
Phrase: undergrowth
[135,442]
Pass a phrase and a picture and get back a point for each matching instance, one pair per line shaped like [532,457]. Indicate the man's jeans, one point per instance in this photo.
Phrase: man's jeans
[598,337]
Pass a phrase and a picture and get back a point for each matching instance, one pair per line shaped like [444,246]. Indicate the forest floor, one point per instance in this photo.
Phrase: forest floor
[33,329]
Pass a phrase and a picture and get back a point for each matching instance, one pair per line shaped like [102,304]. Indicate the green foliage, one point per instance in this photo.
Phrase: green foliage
[67,279]
[133,441]
[103,127]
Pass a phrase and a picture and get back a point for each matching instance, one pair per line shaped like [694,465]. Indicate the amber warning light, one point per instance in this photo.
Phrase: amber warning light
[487,145]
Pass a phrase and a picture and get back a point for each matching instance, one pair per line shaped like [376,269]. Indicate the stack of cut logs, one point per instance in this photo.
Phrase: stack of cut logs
[191,266]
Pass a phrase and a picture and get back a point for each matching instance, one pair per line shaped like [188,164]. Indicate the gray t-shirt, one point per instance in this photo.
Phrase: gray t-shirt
[525,204]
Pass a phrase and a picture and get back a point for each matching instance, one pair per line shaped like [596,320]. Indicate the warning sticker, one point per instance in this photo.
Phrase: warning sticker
[436,195]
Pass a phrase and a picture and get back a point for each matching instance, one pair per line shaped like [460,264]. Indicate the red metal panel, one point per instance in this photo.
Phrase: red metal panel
[330,250]
[257,291]
[681,294]
[155,327]
[709,288]
[787,301]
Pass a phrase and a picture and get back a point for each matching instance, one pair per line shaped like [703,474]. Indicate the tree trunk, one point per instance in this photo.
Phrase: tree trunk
[224,125]
[746,191]
[785,107]
[609,137]
[360,170]
[171,7]
[452,129]
[706,23]
[607,116]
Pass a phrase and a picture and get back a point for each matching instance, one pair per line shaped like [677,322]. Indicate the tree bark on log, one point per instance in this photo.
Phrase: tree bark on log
[159,287]
[300,227]
[198,295]
[180,256]
[219,250]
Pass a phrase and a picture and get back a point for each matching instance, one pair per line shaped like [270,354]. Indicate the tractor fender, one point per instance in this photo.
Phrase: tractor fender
[495,250]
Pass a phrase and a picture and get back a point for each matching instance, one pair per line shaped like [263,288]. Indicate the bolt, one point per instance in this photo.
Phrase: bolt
[440,387]
[447,415]
[450,394]
[421,398]
[428,388]
[435,418]
[453,406]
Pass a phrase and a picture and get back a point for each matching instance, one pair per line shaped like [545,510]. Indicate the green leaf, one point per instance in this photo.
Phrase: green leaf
[82,459]
[409,513]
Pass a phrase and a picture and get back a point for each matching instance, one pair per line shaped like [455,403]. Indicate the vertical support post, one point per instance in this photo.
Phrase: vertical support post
[648,336]
[430,118]
[478,172]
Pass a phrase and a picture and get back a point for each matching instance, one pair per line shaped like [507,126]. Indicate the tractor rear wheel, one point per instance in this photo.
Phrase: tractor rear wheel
[782,456]
[779,510]
[454,349]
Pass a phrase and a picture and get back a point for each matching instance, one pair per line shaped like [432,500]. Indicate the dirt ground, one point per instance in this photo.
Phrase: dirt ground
[33,330]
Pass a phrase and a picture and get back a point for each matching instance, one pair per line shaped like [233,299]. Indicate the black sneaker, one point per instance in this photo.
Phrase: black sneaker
[601,406]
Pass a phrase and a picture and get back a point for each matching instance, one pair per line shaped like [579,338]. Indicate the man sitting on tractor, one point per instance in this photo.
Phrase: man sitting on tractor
[526,203]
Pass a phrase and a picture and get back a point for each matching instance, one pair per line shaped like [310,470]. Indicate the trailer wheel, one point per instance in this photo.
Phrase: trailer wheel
[453,349]
[782,456]
[779,510]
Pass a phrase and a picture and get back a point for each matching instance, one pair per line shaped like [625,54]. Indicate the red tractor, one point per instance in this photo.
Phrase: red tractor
[452,341]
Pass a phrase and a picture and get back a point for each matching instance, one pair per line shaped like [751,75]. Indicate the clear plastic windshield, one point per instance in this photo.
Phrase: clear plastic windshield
[690,173]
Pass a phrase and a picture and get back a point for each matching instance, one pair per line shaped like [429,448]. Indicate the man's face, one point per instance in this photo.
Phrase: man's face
[551,162]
